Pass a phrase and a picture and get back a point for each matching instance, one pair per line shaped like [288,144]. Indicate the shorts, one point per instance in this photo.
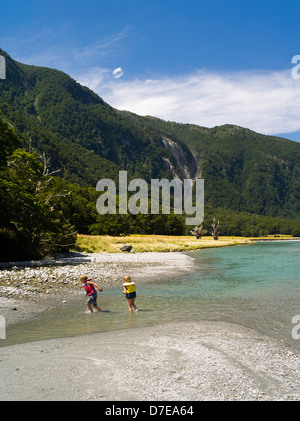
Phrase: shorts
[131,295]
[92,299]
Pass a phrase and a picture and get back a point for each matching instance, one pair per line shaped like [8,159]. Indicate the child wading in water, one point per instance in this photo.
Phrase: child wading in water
[91,293]
[130,291]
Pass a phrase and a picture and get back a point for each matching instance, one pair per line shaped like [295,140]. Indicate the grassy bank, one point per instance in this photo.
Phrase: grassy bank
[142,243]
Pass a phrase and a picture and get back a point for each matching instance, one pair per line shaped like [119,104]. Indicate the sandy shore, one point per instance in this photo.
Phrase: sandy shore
[172,362]
[175,362]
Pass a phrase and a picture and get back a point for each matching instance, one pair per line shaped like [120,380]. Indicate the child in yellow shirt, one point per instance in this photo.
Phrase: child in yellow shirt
[130,290]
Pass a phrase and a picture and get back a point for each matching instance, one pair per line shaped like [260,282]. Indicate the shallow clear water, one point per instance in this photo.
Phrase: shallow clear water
[257,286]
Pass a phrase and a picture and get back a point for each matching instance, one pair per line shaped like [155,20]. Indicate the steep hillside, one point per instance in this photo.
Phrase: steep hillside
[243,170]
[88,139]
[83,135]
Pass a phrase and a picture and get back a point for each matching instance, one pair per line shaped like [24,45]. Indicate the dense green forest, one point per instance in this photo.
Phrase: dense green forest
[243,170]
[32,223]
[59,138]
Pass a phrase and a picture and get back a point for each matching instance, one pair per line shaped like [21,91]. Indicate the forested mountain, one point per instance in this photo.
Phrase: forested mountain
[70,129]
[243,170]
[83,135]
[89,140]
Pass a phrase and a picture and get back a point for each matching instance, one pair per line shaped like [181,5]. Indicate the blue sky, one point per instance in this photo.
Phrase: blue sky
[203,62]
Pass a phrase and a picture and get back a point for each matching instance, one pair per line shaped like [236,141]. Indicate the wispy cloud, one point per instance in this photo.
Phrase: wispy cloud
[42,47]
[267,102]
[111,45]
[55,47]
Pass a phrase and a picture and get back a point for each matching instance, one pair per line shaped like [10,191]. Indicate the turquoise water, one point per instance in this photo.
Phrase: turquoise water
[257,286]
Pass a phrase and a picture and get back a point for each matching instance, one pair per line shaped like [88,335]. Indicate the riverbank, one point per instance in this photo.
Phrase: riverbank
[153,243]
[28,288]
[26,291]
[177,362]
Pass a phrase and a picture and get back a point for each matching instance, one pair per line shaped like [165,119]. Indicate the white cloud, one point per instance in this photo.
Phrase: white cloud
[267,102]
[117,73]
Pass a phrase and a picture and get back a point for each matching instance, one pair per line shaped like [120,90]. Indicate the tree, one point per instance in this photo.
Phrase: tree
[8,141]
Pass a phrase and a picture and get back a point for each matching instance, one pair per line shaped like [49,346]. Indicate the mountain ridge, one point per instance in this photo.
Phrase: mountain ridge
[88,139]
[87,122]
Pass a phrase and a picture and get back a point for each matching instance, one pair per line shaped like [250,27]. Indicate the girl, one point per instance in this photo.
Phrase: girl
[130,291]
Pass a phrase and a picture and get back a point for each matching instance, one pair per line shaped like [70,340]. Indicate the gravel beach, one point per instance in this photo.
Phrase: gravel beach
[175,362]
[171,362]
[27,288]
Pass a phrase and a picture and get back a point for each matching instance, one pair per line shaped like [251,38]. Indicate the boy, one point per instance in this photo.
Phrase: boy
[91,293]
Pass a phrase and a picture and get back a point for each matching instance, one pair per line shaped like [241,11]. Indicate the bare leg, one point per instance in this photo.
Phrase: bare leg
[89,307]
[98,308]
[133,305]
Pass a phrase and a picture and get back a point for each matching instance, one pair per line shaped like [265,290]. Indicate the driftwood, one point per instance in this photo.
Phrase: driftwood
[215,228]
[198,231]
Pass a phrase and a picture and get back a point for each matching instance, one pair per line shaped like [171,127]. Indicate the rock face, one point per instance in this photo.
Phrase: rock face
[186,161]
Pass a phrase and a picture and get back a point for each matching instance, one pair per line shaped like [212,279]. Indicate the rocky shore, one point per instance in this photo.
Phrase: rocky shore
[27,288]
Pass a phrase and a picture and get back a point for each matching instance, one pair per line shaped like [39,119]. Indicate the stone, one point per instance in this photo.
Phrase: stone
[126,248]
